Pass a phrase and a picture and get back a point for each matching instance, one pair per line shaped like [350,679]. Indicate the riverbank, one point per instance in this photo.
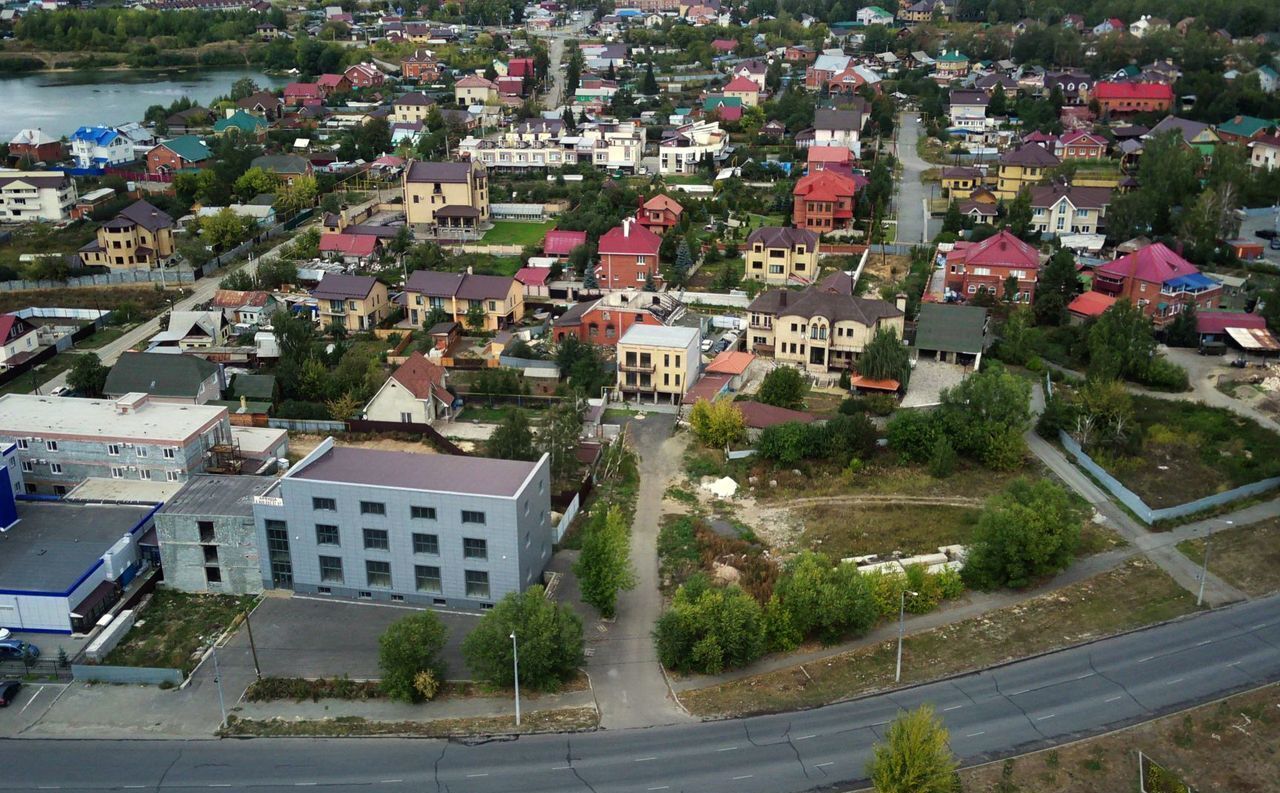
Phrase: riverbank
[17,61]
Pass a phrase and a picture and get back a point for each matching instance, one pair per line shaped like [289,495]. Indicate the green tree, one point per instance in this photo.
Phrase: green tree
[410,646]
[1018,338]
[88,376]
[985,417]
[998,106]
[549,638]
[559,437]
[1056,287]
[821,600]
[1182,331]
[298,195]
[1029,531]
[476,316]
[885,357]
[649,87]
[253,182]
[783,387]
[915,756]
[716,424]
[604,566]
[225,229]
[709,629]
[1018,219]
[512,439]
[953,221]
[684,263]
[1122,343]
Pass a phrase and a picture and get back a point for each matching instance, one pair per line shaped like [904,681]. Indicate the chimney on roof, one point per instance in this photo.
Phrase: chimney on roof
[782,298]
[900,302]
[470,270]
[626,227]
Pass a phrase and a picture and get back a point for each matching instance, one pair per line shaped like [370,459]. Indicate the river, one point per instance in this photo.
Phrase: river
[62,102]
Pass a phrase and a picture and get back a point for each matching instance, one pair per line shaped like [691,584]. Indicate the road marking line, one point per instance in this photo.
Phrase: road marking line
[824,765]
[953,707]
[39,691]
[880,724]
[1260,626]
[744,776]
[727,749]
[806,737]
[469,776]
[1235,663]
[562,768]
[220,784]
[1203,643]
[305,784]
[1148,658]
[1171,682]
[1086,674]
[643,759]
[1042,718]
[1116,699]
[975,734]
[1014,693]
[390,781]
[660,787]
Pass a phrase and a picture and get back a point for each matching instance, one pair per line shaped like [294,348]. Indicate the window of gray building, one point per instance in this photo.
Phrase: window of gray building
[213,575]
[278,554]
[376,540]
[426,543]
[427,579]
[331,569]
[327,535]
[477,584]
[422,513]
[327,504]
[205,528]
[470,516]
[475,549]
[379,574]
[373,508]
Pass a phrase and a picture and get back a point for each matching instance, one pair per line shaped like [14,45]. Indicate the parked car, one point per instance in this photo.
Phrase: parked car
[1274,244]
[1239,363]
[18,649]
[8,692]
[1266,234]
[61,390]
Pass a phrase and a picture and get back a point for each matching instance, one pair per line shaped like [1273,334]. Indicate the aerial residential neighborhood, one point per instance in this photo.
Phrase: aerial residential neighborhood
[640,396]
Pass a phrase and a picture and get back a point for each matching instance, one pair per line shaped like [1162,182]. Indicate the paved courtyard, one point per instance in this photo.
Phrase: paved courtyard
[928,380]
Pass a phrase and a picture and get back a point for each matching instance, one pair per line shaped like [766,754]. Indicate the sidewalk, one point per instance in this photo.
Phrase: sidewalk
[382,710]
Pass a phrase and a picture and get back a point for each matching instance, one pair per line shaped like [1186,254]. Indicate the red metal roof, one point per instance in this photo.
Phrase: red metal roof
[533,276]
[742,84]
[1133,91]
[348,244]
[758,415]
[1216,322]
[1091,304]
[730,362]
[630,238]
[1001,250]
[1155,264]
[562,243]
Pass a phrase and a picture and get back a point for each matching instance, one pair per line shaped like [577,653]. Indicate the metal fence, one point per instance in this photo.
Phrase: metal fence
[146,675]
[120,278]
[313,426]
[47,668]
[1150,515]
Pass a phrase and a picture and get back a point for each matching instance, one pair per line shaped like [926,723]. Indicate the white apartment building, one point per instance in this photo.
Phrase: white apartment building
[686,149]
[29,196]
[546,144]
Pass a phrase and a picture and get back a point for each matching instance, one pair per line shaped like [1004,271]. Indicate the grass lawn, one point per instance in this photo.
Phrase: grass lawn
[44,238]
[686,178]
[1128,597]
[102,338]
[26,383]
[148,300]
[841,530]
[1227,745]
[1190,450]
[1247,557]
[514,232]
[479,413]
[175,627]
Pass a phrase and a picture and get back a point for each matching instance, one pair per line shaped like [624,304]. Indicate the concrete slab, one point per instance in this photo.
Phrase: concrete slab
[928,380]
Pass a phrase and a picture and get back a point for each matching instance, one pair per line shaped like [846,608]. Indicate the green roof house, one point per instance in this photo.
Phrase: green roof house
[167,377]
[181,153]
[240,122]
[1242,129]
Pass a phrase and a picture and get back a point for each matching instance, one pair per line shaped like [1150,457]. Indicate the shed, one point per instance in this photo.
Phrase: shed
[951,333]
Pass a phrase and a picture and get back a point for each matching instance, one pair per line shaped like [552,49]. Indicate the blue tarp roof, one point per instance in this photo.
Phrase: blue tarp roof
[1191,281]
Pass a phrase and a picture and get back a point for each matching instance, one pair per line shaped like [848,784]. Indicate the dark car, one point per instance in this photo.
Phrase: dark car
[1266,234]
[1275,243]
[8,692]
[17,649]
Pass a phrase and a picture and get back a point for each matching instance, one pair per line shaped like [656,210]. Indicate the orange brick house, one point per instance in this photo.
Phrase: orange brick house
[987,265]
[824,200]
[659,213]
[179,154]
[628,256]
[1118,99]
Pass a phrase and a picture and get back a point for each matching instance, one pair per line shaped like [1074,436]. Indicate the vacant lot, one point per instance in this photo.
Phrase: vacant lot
[1189,450]
[1247,557]
[148,300]
[1131,596]
[1224,746]
[176,627]
[841,530]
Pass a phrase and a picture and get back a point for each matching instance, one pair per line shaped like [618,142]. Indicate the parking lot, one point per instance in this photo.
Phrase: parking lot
[1261,221]
[312,637]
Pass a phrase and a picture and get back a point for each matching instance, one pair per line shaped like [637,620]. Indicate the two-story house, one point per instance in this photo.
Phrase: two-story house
[1158,281]
[839,128]
[968,111]
[1264,153]
[355,302]
[824,328]
[1025,166]
[607,318]
[959,182]
[782,255]
[628,256]
[35,196]
[458,295]
[141,236]
[411,108]
[1082,145]
[100,147]
[1061,209]
[988,265]
[420,66]
[658,362]
[659,213]
[416,393]
[179,154]
[19,340]
[823,201]
[449,195]
[689,146]
[475,89]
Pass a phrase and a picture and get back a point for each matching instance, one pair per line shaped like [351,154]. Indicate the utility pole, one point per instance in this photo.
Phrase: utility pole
[902,611]
[1204,570]
[217,678]
[253,648]
[515,661]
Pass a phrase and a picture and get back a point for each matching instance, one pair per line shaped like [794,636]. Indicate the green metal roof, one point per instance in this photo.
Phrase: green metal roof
[245,122]
[712,102]
[189,148]
[951,328]
[1244,126]
[158,374]
[954,56]
[254,386]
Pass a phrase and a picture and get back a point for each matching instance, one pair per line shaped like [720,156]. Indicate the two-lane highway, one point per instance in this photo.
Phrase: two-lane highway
[1027,704]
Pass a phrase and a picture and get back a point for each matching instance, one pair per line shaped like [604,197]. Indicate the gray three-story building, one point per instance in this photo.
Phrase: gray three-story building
[424,529]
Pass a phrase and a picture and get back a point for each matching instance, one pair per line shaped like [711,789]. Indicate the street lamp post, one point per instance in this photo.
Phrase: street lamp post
[1204,570]
[515,662]
[902,613]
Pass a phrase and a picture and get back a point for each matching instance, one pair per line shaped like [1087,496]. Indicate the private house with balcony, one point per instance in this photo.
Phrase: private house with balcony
[453,196]
[959,182]
[822,329]
[628,256]
[782,256]
[1159,282]
[100,147]
[1025,166]
[36,196]
[456,294]
[689,146]
[608,318]
[659,213]
[1062,209]
[543,144]
[420,66]
[1082,145]
[141,236]
[988,265]
[355,302]
[405,528]
[841,128]
[19,340]
[658,363]
[824,200]
[968,112]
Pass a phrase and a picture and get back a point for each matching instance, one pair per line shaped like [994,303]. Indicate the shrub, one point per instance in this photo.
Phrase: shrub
[1164,375]
[1029,531]
[709,629]
[717,424]
[847,437]
[913,435]
[928,592]
[783,387]
[950,583]
[942,460]
[880,404]
[677,549]
[426,684]
[549,636]
[791,442]
[825,601]
[409,646]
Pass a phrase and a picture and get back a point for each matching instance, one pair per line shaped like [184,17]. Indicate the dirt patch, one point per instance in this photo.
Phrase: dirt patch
[1128,597]
[1248,558]
[886,269]
[302,444]
[562,720]
[149,300]
[842,529]
[1224,746]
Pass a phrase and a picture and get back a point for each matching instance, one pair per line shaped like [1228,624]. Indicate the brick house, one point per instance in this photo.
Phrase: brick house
[606,319]
[628,256]
[1118,99]
[364,75]
[1082,145]
[178,154]
[421,66]
[331,84]
[972,266]
[659,213]
[824,200]
[1157,281]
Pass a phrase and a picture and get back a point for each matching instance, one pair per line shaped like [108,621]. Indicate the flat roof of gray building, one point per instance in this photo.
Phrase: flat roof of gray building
[213,494]
[54,544]
[442,473]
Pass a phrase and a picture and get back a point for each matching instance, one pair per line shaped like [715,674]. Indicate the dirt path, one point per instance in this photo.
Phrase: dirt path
[854,499]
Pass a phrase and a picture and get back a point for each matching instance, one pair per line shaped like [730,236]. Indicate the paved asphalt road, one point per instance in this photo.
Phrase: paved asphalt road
[913,221]
[1025,705]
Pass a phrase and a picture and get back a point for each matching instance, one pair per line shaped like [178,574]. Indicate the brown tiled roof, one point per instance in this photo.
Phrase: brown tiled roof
[422,378]
[1080,197]
[758,415]
[835,307]
[783,237]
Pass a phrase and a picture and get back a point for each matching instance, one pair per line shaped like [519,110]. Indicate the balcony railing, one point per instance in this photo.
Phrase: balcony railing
[634,366]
